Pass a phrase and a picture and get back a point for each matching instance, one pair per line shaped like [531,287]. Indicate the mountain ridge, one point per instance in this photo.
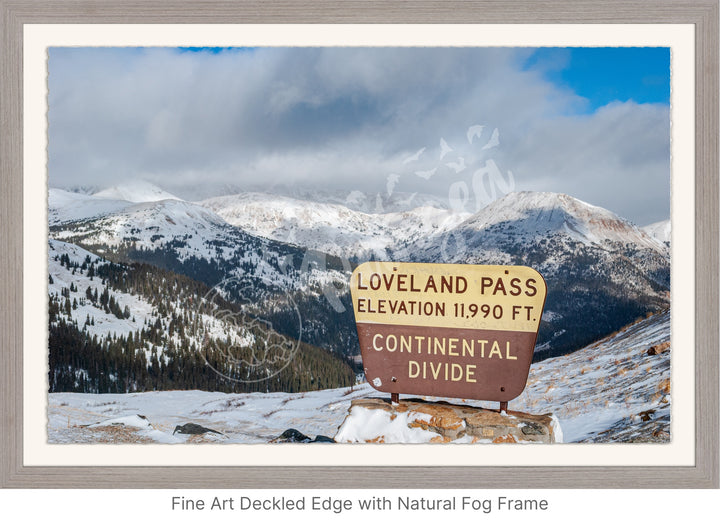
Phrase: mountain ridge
[136,191]
[331,228]
[602,271]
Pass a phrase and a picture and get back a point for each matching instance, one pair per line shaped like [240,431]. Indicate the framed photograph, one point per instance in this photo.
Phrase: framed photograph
[315,245]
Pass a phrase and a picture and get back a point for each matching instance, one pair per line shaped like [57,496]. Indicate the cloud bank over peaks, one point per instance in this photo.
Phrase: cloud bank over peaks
[347,119]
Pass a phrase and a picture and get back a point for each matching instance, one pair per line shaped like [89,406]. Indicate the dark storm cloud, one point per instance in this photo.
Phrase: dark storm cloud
[345,118]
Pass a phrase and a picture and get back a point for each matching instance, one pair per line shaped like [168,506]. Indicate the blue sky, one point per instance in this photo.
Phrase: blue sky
[608,74]
[593,123]
[599,74]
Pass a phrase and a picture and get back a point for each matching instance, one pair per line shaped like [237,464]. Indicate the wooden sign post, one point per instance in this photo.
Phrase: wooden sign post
[449,330]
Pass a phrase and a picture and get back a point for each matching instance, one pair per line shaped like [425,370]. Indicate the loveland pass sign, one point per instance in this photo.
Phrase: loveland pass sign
[449,330]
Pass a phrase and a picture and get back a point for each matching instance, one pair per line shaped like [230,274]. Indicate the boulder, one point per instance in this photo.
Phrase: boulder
[322,439]
[659,348]
[376,420]
[295,436]
[193,428]
[291,436]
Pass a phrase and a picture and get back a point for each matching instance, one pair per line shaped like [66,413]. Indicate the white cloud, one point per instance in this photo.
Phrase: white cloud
[345,118]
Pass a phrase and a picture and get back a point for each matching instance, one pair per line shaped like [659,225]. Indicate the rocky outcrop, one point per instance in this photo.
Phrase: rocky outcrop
[377,420]
[659,348]
[195,429]
[295,436]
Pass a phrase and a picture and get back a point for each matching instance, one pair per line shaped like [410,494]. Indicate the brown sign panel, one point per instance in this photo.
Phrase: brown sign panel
[449,330]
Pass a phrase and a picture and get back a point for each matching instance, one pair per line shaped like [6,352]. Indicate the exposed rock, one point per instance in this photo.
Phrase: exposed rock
[647,415]
[291,436]
[508,438]
[192,428]
[659,349]
[661,435]
[323,439]
[655,429]
[532,429]
[295,436]
[442,420]
[377,420]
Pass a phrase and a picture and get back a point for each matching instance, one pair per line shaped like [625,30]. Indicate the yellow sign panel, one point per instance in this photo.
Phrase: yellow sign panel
[448,295]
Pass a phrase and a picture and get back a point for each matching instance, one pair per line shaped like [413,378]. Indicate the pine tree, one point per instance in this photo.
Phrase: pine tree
[104,297]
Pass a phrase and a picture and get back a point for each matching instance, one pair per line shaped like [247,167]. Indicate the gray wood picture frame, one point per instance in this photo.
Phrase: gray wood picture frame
[702,13]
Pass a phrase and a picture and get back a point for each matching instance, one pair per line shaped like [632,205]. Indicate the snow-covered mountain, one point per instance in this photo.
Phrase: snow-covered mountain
[184,233]
[273,278]
[526,217]
[332,228]
[66,206]
[549,231]
[356,200]
[601,270]
[661,231]
[543,212]
[69,206]
[136,191]
[146,224]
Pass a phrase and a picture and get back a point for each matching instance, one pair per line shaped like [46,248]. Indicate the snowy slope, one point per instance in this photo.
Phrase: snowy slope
[242,418]
[65,206]
[62,278]
[528,216]
[356,200]
[329,227]
[105,324]
[610,391]
[271,277]
[662,231]
[127,328]
[185,232]
[136,191]
[163,220]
